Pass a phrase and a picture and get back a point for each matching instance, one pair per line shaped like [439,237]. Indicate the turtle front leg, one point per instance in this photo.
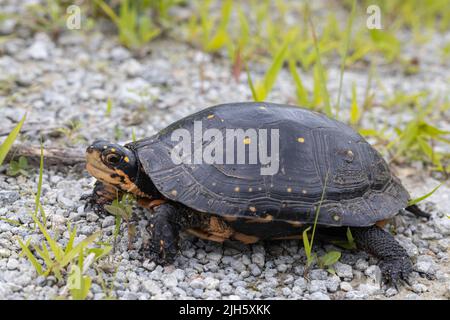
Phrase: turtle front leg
[101,195]
[165,226]
[396,264]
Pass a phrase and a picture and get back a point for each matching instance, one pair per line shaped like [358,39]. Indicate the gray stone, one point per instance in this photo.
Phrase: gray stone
[214,256]
[8,197]
[369,288]
[169,280]
[317,285]
[108,221]
[443,225]
[255,270]
[258,259]
[225,288]
[374,273]
[318,274]
[12,264]
[4,253]
[361,264]
[419,288]
[189,253]
[390,292]
[91,217]
[297,290]
[197,284]
[426,264]
[152,287]
[332,283]
[355,295]
[343,270]
[237,265]
[345,286]
[179,274]
[319,295]
[300,283]
[39,50]
[286,291]
[409,246]
[211,283]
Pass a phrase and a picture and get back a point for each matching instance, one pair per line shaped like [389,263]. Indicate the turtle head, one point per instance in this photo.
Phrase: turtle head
[113,164]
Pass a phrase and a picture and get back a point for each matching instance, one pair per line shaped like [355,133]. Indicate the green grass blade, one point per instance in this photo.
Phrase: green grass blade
[272,73]
[318,209]
[302,94]
[109,12]
[325,93]
[39,187]
[330,258]
[69,246]
[45,255]
[76,250]
[11,221]
[252,87]
[348,33]
[306,243]
[108,107]
[31,257]
[7,144]
[417,200]
[354,110]
[54,246]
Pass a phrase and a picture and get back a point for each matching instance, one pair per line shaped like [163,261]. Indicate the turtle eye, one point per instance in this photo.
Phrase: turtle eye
[113,158]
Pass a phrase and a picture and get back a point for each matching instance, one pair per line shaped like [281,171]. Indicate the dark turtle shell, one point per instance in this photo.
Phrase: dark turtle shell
[314,151]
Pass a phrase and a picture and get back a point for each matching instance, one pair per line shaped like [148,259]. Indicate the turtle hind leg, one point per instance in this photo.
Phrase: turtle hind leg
[417,212]
[395,263]
[168,221]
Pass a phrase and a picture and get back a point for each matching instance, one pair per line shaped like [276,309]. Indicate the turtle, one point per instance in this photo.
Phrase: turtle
[327,175]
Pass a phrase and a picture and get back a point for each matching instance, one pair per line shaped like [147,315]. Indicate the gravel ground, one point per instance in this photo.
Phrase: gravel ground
[71,80]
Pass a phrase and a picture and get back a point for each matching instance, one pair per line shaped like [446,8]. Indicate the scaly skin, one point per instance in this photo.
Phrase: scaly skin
[395,263]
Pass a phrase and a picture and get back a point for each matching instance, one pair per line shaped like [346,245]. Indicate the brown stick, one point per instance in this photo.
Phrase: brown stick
[52,156]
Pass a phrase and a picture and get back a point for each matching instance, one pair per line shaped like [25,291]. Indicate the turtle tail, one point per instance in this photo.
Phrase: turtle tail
[418,212]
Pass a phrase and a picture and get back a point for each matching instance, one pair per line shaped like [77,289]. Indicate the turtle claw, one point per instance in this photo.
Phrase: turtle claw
[95,203]
[396,270]
[427,275]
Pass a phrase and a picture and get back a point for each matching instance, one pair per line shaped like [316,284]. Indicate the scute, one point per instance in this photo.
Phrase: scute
[314,151]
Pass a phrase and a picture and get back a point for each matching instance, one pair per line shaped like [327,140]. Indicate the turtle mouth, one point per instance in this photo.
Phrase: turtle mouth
[99,170]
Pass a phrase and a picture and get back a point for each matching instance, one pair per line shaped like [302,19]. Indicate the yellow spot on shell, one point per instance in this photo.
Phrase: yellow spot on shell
[289,189]
[126,159]
[262,108]
[304,191]
[210,116]
[247,140]
[336,217]
[250,189]
[252,209]
[174,192]
[301,139]
[236,189]
[104,147]
[113,150]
